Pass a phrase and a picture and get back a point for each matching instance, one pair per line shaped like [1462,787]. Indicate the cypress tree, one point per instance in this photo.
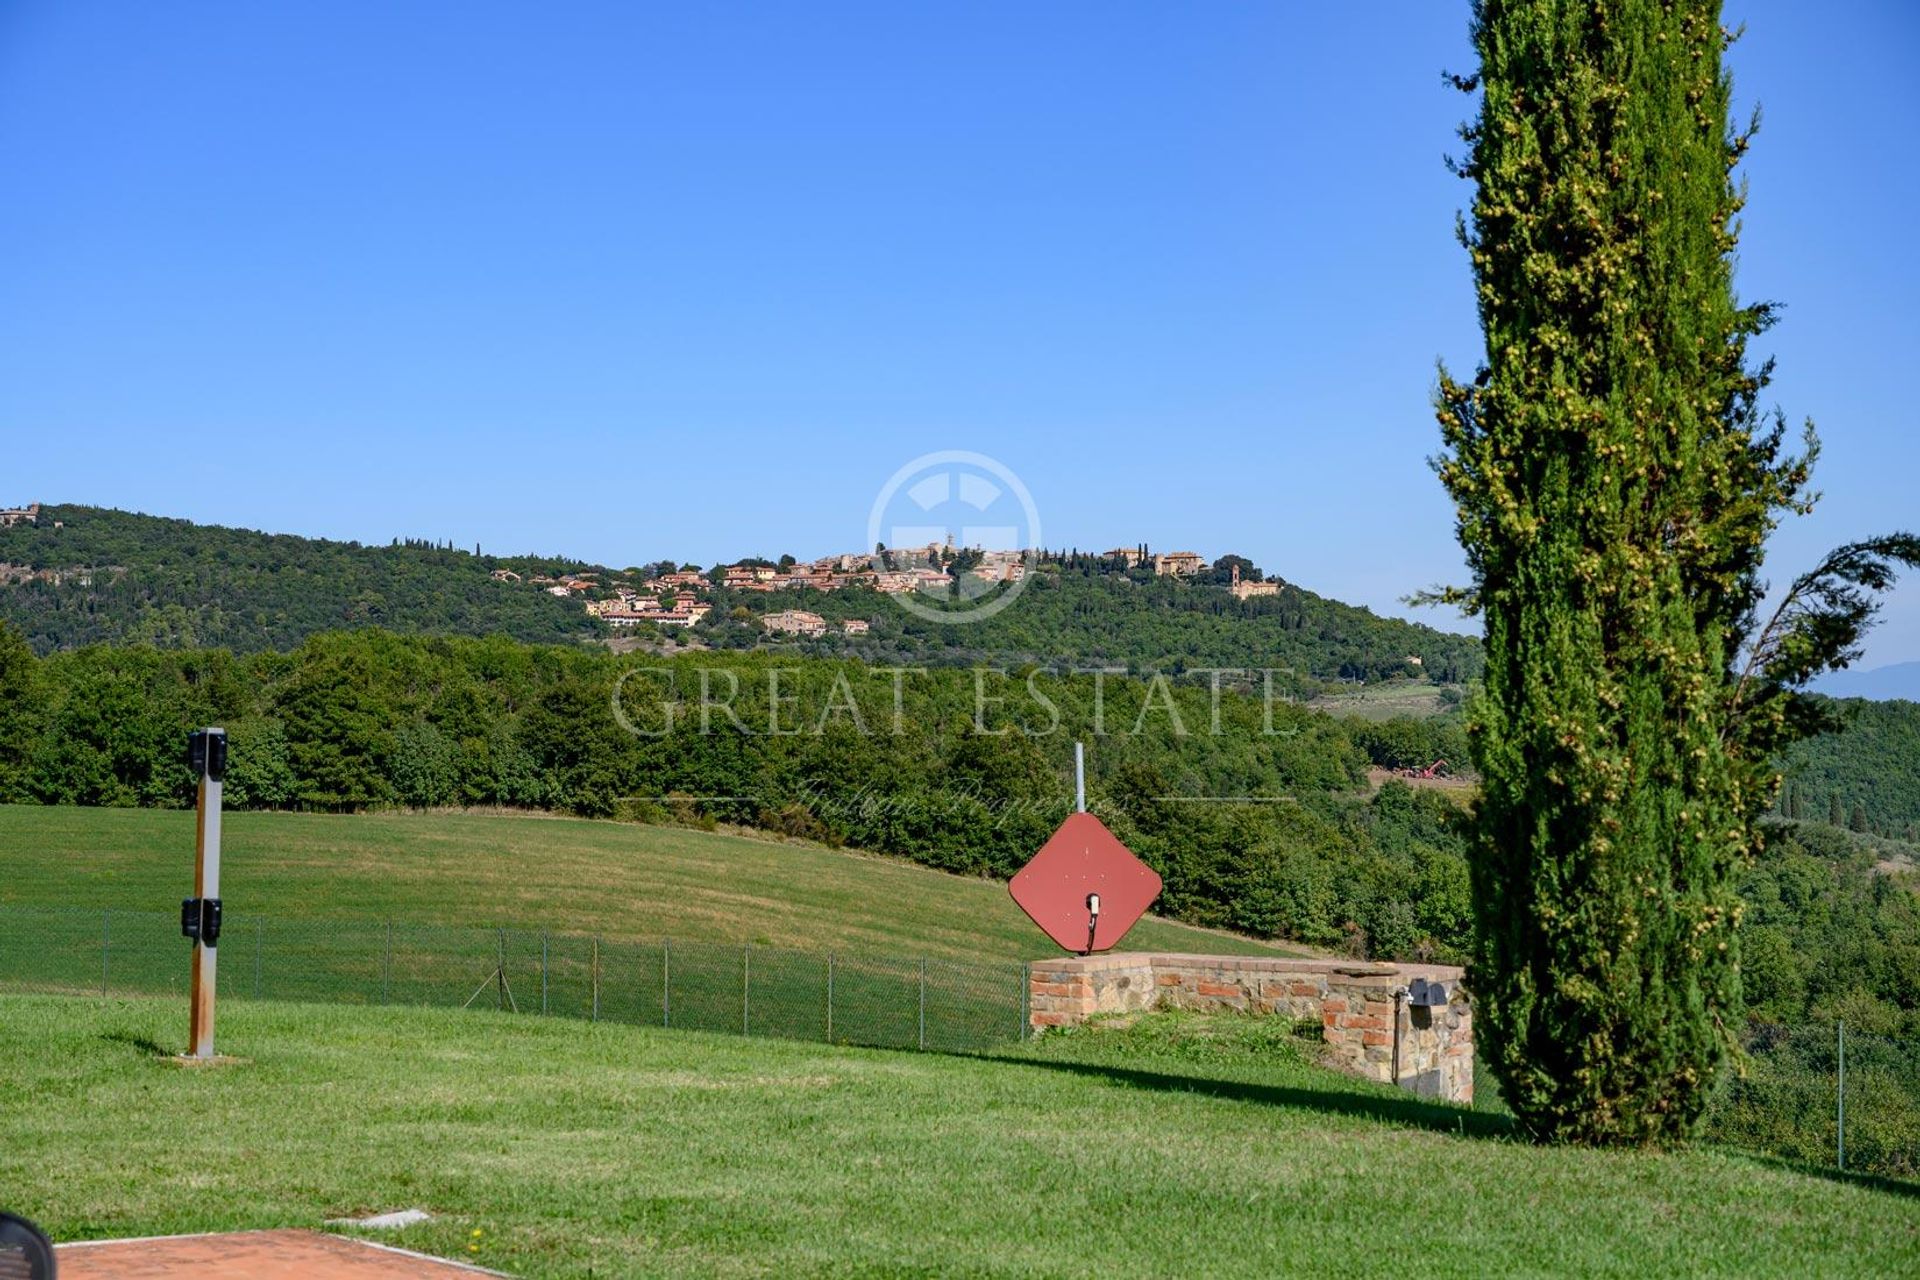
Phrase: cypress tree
[1615,481]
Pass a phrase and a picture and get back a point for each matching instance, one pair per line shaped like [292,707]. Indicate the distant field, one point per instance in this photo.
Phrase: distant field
[1382,701]
[620,881]
[554,1147]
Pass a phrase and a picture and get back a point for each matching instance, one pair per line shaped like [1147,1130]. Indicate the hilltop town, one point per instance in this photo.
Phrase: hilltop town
[681,597]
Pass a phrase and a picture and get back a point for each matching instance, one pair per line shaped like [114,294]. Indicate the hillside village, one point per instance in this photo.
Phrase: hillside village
[682,597]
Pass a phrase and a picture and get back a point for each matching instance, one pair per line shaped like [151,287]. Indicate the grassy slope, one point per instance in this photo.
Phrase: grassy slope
[595,1149]
[617,880]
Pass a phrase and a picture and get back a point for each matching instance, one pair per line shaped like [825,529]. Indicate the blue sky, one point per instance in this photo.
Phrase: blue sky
[630,281]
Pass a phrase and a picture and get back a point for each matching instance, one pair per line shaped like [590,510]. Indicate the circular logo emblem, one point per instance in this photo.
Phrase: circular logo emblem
[955,536]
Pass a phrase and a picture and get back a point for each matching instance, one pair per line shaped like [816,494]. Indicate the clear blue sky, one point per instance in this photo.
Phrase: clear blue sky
[630,281]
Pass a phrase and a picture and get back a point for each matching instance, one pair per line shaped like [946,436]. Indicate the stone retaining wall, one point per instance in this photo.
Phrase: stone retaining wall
[1410,1024]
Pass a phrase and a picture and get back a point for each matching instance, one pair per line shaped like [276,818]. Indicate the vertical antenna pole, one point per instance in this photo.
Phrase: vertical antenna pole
[1079,778]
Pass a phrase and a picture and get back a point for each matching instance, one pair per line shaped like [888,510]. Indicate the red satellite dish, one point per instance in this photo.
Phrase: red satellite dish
[1085,888]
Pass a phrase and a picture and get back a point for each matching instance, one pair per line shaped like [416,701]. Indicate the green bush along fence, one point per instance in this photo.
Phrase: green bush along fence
[1825,1095]
[901,1003]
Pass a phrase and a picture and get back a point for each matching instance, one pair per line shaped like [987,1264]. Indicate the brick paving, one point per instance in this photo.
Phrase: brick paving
[252,1255]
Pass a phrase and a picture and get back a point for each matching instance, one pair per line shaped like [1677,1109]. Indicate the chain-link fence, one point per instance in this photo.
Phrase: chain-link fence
[1825,1095]
[902,1003]
[1820,1094]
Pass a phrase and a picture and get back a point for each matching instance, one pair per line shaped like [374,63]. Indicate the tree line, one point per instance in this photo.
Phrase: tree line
[1253,810]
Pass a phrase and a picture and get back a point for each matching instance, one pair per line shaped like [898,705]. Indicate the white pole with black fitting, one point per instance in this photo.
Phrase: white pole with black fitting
[200,914]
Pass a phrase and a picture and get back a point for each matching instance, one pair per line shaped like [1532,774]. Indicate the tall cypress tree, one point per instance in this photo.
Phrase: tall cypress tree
[1615,482]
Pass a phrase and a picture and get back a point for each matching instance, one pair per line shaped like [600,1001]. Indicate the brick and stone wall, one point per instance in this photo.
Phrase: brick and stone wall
[1409,1024]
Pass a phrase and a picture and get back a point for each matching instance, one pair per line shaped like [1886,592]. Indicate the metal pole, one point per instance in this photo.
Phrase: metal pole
[500,970]
[923,1002]
[206,884]
[1026,1001]
[746,984]
[1841,1095]
[106,947]
[1079,778]
[829,997]
[666,982]
[543,973]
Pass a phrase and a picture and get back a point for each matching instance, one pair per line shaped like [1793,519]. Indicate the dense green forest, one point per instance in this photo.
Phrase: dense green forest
[1866,778]
[1264,825]
[126,578]
[138,579]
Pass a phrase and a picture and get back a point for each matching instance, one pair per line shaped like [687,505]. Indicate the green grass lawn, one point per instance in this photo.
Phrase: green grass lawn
[620,881]
[1382,701]
[579,1149]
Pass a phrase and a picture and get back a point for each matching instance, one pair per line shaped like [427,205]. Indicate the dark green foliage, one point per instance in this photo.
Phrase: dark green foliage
[1405,742]
[1615,483]
[142,579]
[369,720]
[970,778]
[1873,764]
[20,713]
[1828,936]
[125,578]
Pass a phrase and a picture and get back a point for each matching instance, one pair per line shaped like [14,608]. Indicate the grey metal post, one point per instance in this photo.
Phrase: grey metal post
[1026,1001]
[829,997]
[1079,778]
[746,984]
[923,1002]
[1841,1095]
[543,973]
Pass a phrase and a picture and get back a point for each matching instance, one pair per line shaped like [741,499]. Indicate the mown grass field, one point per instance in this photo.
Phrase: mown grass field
[1382,701]
[619,881]
[578,1149]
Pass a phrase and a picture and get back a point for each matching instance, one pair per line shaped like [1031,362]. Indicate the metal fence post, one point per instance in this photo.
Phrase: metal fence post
[829,997]
[1026,999]
[746,986]
[500,969]
[106,947]
[1840,1094]
[923,1002]
[543,973]
[666,982]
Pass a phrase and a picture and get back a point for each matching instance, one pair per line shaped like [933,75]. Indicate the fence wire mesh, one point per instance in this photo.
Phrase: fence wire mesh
[1825,1095]
[708,986]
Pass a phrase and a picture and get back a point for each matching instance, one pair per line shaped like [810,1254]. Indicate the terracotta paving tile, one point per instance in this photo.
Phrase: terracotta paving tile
[252,1255]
